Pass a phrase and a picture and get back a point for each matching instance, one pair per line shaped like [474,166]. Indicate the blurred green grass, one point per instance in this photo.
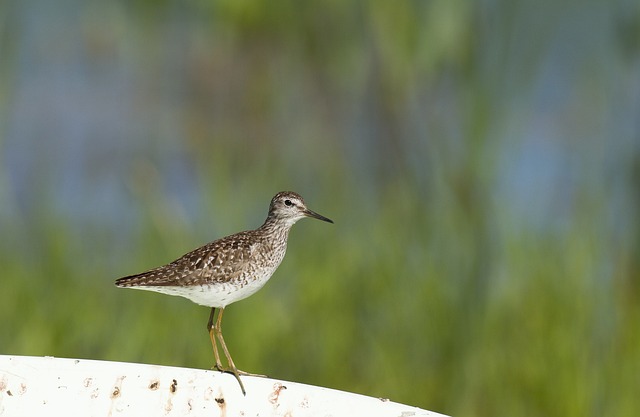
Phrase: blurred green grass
[452,279]
[386,302]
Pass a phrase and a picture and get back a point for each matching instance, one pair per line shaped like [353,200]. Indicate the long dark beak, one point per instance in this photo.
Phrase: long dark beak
[315,215]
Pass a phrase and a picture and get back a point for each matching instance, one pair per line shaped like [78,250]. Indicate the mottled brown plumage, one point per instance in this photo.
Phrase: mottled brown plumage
[228,269]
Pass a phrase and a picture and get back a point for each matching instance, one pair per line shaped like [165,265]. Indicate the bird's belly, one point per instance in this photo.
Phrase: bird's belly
[218,294]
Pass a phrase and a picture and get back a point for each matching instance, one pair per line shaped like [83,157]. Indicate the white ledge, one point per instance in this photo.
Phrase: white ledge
[39,386]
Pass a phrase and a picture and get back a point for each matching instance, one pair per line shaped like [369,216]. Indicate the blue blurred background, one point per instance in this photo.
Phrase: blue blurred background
[481,161]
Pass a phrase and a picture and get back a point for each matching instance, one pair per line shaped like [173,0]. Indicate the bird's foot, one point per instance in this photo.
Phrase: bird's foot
[232,371]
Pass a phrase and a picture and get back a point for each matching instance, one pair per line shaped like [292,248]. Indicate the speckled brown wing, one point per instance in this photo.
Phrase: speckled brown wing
[222,260]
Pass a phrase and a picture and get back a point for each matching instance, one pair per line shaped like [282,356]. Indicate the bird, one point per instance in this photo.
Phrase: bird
[229,269]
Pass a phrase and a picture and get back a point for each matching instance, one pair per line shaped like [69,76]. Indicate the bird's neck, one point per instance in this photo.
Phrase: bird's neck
[277,228]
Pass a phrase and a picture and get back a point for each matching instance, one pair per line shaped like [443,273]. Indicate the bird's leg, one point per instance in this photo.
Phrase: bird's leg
[217,329]
[232,367]
[210,329]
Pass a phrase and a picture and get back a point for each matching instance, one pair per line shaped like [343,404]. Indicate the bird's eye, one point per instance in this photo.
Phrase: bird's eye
[288,203]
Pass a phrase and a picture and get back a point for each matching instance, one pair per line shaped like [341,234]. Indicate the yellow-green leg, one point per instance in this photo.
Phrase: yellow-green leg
[216,329]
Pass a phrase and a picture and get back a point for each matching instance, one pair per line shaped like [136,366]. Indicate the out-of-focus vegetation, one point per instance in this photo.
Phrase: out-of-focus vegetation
[481,161]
